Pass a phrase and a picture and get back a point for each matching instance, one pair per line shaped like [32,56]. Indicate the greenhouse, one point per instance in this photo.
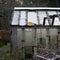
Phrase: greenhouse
[35,33]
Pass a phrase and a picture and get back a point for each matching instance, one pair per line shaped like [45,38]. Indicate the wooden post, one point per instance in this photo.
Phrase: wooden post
[47,29]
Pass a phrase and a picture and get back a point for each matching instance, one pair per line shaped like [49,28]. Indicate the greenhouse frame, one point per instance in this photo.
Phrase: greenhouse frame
[35,30]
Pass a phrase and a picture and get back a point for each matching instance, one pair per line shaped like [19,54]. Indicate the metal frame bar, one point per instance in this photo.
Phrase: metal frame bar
[58,15]
[40,37]
[48,32]
[48,18]
[35,48]
[23,43]
[26,17]
[58,40]
[39,26]
[36,8]
[38,18]
[19,17]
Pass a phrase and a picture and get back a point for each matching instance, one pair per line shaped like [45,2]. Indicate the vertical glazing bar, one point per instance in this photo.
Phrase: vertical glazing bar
[44,21]
[57,44]
[41,37]
[53,20]
[23,44]
[47,38]
[48,18]
[38,18]
[58,38]
[19,18]
[26,17]
[35,48]
[49,43]
[58,15]
[35,36]
[32,42]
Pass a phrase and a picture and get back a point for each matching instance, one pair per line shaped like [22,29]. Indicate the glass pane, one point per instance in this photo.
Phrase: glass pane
[57,22]
[58,12]
[42,14]
[15,18]
[22,18]
[46,22]
[32,17]
[19,38]
[52,13]
[28,37]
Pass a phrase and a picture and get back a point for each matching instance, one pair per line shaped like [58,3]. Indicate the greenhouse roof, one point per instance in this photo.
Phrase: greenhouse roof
[36,16]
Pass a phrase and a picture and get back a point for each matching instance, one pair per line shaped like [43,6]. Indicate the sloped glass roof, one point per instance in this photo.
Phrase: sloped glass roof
[32,17]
